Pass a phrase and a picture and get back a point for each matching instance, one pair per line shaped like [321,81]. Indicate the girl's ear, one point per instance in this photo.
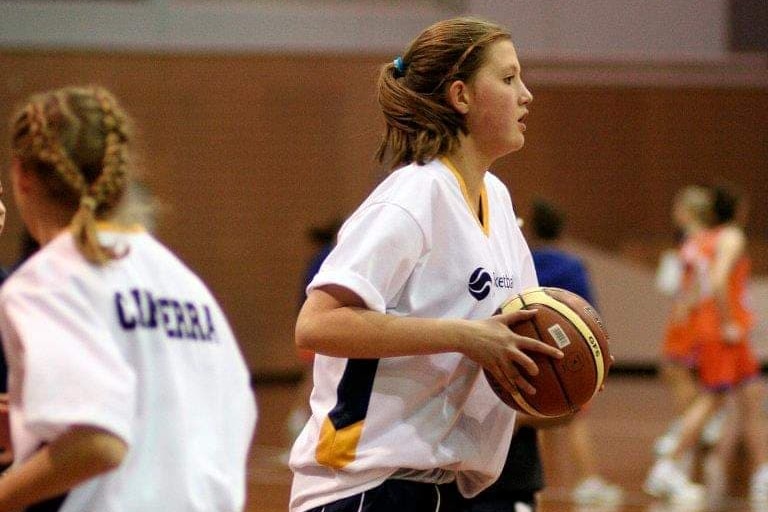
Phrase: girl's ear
[458,96]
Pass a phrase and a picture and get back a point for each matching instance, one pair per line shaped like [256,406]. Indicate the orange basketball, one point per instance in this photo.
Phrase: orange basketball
[568,322]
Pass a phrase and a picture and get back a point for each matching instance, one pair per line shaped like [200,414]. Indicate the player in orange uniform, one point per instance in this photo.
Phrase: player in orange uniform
[692,214]
[720,321]
[727,363]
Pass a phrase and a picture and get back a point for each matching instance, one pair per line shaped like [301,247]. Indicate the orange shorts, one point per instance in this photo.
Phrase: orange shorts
[679,345]
[722,365]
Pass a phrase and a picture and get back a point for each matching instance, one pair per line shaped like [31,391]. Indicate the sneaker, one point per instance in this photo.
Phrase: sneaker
[666,480]
[595,490]
[758,487]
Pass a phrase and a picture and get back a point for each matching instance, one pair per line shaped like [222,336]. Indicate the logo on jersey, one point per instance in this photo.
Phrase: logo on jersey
[179,319]
[481,280]
[480,283]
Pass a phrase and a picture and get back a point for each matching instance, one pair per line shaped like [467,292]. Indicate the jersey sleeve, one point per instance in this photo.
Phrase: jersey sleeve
[377,250]
[68,369]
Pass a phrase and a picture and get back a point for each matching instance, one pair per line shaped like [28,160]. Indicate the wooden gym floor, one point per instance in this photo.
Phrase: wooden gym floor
[624,420]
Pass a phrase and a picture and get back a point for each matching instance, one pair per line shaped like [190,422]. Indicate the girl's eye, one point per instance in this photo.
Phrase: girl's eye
[508,80]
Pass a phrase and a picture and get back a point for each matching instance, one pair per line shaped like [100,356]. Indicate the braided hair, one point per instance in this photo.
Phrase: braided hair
[76,140]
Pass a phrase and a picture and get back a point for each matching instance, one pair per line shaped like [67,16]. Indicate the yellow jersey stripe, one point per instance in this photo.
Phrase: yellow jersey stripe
[338,448]
[485,219]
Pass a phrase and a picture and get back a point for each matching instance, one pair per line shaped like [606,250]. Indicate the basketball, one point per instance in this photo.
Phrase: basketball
[568,322]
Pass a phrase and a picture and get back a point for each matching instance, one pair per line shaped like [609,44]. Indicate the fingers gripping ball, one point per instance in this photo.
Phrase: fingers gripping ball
[5,429]
[568,322]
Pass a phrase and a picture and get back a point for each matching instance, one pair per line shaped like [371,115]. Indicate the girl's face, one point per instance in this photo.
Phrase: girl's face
[498,102]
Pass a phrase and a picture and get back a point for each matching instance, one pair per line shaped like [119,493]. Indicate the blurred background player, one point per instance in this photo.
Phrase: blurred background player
[745,419]
[401,314]
[727,367]
[558,268]
[692,216]
[127,388]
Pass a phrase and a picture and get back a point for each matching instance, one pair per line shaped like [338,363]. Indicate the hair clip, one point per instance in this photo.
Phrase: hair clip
[399,67]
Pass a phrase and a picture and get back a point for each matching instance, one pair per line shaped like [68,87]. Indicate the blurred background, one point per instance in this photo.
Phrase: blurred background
[258,121]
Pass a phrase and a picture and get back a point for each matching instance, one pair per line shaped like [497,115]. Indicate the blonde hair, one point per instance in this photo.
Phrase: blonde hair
[76,140]
[699,202]
[420,123]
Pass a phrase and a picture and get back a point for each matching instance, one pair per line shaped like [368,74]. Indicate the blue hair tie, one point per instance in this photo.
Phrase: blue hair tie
[399,67]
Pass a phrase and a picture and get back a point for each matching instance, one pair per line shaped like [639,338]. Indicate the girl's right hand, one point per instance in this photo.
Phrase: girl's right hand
[6,451]
[495,346]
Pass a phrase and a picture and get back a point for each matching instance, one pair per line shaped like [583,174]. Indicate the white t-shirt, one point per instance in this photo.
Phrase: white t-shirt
[413,248]
[141,349]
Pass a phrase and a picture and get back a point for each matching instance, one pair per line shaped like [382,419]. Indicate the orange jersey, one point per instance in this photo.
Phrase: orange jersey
[706,314]
[680,342]
[724,364]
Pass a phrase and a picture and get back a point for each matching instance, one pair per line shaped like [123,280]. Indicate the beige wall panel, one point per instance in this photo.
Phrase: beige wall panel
[247,151]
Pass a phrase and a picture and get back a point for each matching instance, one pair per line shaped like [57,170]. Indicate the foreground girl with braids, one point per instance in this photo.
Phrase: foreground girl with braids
[127,388]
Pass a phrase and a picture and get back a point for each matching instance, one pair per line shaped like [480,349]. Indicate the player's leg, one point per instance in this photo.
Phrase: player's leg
[751,398]
[720,456]
[679,377]
[591,487]
[694,420]
[678,360]
[667,478]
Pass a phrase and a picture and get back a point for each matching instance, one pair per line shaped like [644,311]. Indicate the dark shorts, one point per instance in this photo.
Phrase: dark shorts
[401,496]
[502,502]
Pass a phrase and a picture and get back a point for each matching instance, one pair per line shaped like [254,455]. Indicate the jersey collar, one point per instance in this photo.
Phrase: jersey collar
[484,219]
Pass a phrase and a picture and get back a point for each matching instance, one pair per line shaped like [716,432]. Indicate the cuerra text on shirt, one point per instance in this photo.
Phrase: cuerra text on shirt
[178,318]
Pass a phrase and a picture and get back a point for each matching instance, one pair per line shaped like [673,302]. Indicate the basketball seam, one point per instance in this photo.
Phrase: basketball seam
[551,364]
[594,364]
[600,364]
[516,394]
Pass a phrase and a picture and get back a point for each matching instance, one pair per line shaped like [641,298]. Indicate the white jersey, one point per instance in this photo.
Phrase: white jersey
[141,349]
[414,248]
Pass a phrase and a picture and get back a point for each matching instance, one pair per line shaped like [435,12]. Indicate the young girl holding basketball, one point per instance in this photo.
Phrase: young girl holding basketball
[127,389]
[401,314]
